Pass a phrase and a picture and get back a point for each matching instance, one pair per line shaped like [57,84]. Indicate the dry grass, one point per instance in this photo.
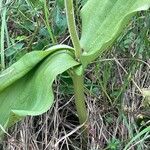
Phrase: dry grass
[113,87]
[58,129]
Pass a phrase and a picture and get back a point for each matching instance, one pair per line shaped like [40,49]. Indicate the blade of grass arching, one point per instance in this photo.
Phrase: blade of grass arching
[129,127]
[140,144]
[3,16]
[46,13]
[137,136]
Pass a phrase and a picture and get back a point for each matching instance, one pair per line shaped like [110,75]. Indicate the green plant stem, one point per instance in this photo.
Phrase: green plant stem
[72,27]
[78,82]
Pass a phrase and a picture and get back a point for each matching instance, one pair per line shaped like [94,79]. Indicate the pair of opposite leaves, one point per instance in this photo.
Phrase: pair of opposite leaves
[26,86]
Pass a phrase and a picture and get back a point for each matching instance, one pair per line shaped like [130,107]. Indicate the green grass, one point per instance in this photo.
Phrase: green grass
[113,82]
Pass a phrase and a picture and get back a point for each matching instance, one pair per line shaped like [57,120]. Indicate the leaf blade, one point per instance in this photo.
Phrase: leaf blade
[25,64]
[31,93]
[103,21]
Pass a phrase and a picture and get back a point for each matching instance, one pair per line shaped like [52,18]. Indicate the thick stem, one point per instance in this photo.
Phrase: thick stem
[72,27]
[78,82]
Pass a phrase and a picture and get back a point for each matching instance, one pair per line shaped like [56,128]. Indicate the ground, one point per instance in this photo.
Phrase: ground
[113,84]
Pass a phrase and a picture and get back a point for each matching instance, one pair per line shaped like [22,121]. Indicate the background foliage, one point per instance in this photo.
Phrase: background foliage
[116,108]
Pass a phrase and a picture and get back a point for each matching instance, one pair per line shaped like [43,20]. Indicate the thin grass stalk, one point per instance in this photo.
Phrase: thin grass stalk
[3,18]
[46,13]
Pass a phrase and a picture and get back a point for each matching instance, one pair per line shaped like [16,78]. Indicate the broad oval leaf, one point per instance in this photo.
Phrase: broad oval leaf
[103,21]
[26,87]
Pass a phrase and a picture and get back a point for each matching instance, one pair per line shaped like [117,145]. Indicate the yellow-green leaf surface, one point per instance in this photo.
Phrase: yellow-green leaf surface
[103,21]
[26,87]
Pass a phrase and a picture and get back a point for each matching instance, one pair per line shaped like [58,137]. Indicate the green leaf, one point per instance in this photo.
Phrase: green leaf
[26,87]
[37,3]
[103,21]
[60,3]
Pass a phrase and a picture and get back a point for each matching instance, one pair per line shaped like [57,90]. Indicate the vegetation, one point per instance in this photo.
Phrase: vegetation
[116,113]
